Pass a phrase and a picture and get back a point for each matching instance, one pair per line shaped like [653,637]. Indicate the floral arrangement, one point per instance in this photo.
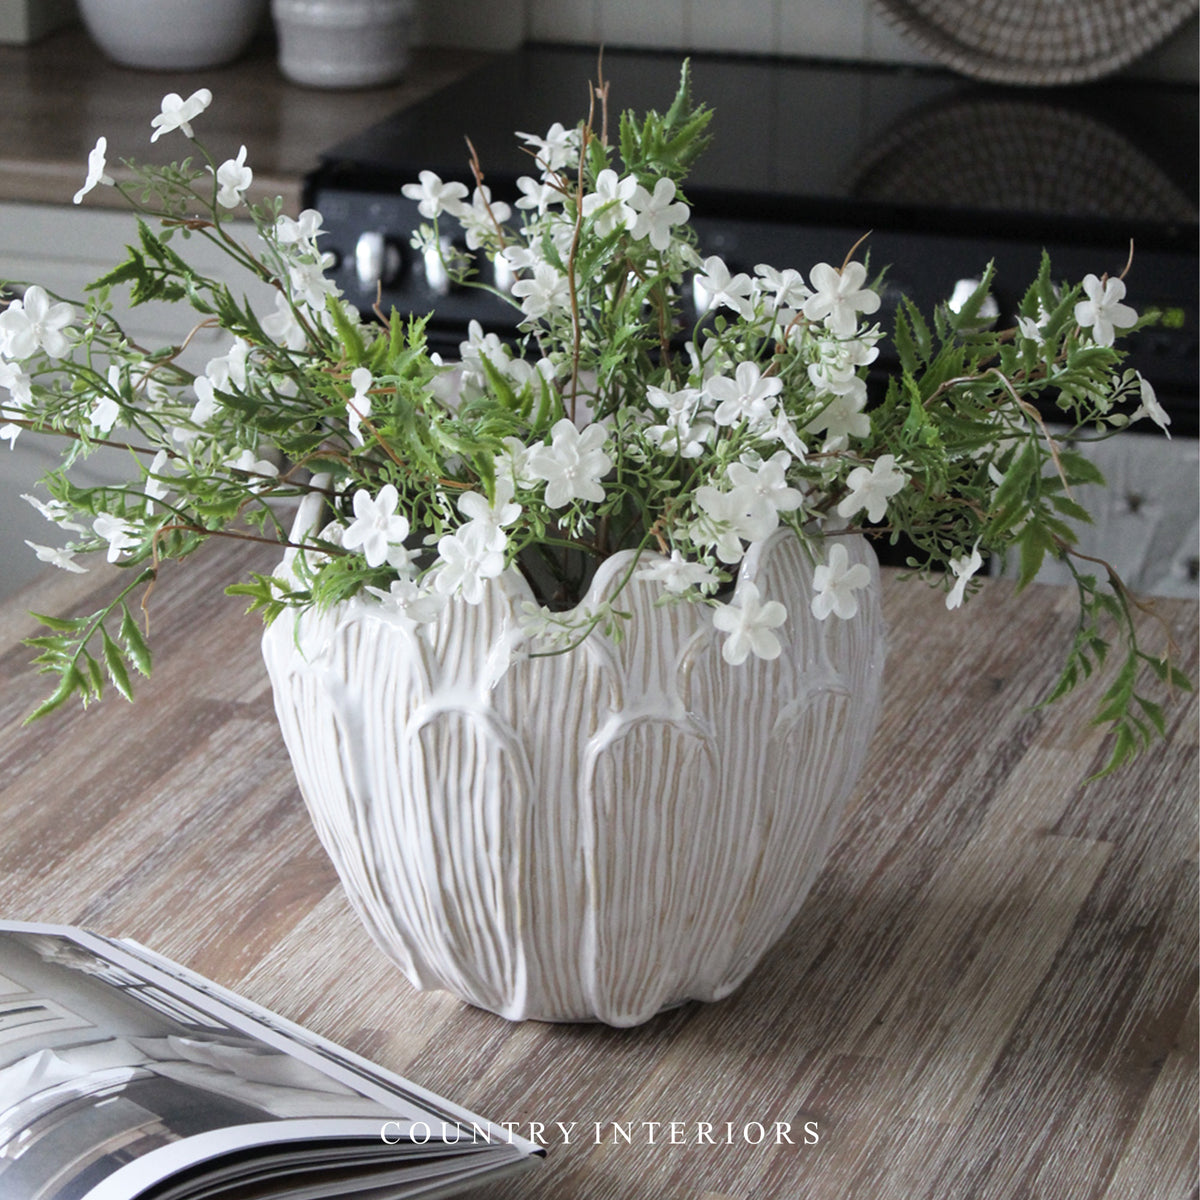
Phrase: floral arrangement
[653,400]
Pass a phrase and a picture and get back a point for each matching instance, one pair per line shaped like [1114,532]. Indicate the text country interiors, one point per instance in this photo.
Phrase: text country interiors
[627,1133]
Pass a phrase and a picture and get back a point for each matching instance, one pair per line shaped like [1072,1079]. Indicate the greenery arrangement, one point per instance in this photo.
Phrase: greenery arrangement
[654,400]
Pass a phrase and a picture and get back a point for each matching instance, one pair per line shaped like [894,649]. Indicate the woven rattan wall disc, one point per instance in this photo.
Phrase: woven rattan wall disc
[1037,41]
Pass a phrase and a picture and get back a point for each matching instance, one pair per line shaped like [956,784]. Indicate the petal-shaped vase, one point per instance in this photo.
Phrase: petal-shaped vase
[599,834]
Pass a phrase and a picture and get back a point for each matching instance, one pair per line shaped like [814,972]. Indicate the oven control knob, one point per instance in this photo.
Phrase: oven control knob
[376,260]
[437,260]
[964,289]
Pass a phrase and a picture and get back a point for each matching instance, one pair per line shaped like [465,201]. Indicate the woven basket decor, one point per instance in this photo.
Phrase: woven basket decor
[1037,41]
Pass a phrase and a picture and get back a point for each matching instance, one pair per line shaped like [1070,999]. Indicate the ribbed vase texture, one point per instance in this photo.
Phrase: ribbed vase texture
[598,834]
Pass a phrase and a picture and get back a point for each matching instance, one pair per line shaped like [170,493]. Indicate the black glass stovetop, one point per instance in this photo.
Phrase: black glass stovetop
[876,145]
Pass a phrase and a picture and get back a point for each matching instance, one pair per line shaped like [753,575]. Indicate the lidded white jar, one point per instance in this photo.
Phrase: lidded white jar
[343,43]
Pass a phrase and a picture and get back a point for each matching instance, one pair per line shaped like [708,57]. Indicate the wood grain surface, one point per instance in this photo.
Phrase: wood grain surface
[991,991]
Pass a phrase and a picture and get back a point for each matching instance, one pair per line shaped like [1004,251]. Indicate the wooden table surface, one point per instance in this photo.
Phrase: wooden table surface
[991,991]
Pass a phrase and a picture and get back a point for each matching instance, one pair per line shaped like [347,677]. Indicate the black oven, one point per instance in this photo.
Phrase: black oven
[943,173]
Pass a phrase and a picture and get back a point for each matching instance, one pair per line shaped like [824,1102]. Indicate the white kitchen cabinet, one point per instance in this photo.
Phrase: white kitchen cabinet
[63,249]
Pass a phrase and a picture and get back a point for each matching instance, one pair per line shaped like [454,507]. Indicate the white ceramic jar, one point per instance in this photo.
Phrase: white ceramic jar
[172,35]
[343,43]
[595,835]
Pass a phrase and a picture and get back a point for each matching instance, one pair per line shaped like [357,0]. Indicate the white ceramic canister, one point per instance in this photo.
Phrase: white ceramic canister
[343,43]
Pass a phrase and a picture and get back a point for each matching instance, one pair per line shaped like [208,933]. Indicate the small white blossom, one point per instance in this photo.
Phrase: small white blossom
[490,519]
[677,575]
[716,288]
[54,510]
[557,150]
[750,625]
[303,231]
[57,556]
[546,292]
[657,213]
[721,522]
[376,525]
[155,487]
[834,584]
[467,563]
[233,178]
[512,463]
[786,289]
[573,464]
[260,470]
[537,195]
[1102,312]
[205,407]
[436,197]
[104,412]
[871,488]
[283,327]
[32,322]
[358,406]
[962,567]
[95,170]
[764,490]
[686,431]
[178,113]
[609,203]
[748,396]
[408,598]
[1150,407]
[839,296]
[841,419]
[117,532]
[479,221]
[309,282]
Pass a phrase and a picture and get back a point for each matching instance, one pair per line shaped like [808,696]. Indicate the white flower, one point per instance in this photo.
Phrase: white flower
[764,490]
[962,566]
[467,562]
[376,525]
[233,178]
[59,557]
[490,519]
[657,212]
[55,511]
[685,432]
[1150,407]
[260,470]
[479,221]
[557,149]
[512,463]
[609,203]
[178,113]
[871,488]
[435,197]
[722,522]
[309,282]
[117,532]
[95,169]
[838,297]
[1102,312]
[835,583]
[104,413]
[786,288]
[205,407]
[715,288]
[303,231]
[749,624]
[677,575]
[544,293]
[748,396]
[156,486]
[1031,331]
[408,598]
[282,325]
[573,464]
[836,368]
[537,195]
[841,419]
[18,384]
[33,322]
[359,405]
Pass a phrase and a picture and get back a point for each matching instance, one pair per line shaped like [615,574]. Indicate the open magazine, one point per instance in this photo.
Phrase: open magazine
[124,1075]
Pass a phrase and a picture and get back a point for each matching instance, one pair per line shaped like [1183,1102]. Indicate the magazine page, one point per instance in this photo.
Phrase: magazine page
[120,1070]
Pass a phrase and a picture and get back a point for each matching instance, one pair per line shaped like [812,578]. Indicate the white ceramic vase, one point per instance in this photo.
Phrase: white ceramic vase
[600,834]
[343,43]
